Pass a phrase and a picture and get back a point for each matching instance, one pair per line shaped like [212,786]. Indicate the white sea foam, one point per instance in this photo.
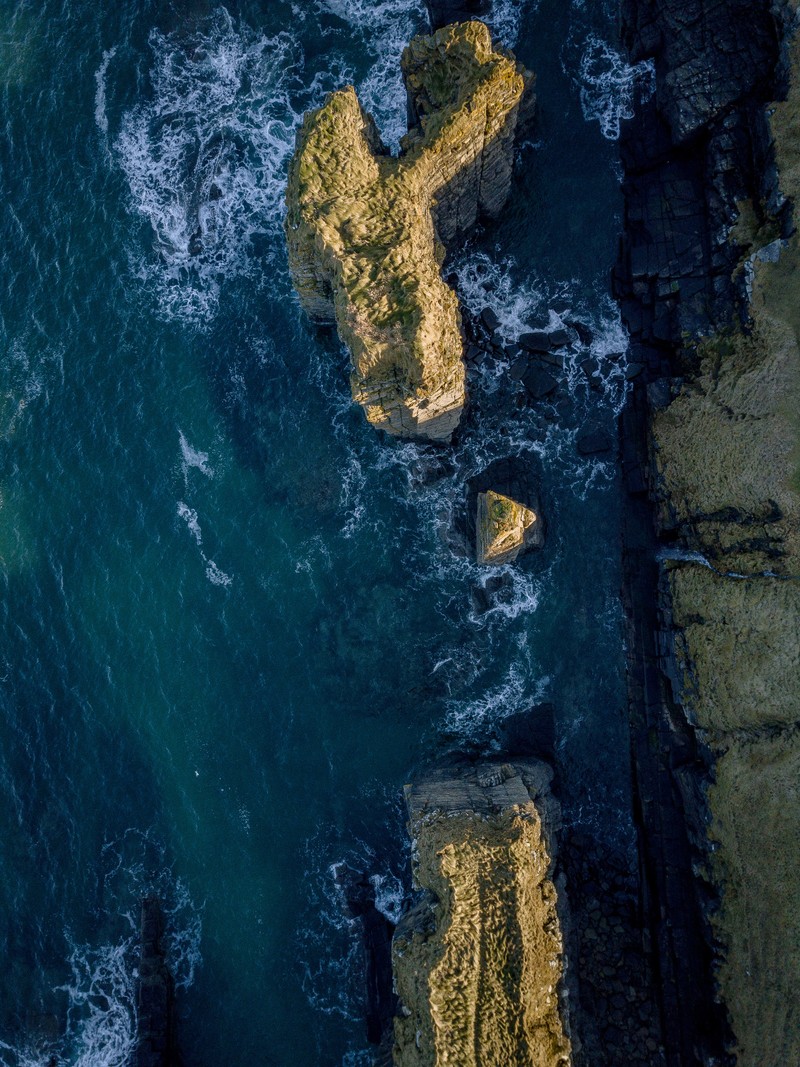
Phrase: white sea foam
[486,282]
[390,894]
[610,88]
[214,574]
[189,516]
[504,19]
[102,1004]
[384,27]
[206,157]
[100,114]
[217,576]
[101,1018]
[193,458]
[517,692]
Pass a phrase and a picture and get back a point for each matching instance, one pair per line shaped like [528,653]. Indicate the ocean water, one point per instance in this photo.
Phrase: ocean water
[232,621]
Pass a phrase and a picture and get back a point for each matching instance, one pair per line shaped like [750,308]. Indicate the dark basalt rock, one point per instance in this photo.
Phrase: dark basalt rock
[593,441]
[443,12]
[538,382]
[699,146]
[536,341]
[376,934]
[489,319]
[528,733]
[155,994]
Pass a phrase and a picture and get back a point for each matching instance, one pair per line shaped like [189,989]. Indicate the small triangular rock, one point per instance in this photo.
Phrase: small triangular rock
[503,528]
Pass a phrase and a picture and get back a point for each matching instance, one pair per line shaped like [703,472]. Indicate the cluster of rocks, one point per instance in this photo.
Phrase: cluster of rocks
[536,360]
[618,1017]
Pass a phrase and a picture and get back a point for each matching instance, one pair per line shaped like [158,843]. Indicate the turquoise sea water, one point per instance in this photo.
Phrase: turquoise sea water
[231,622]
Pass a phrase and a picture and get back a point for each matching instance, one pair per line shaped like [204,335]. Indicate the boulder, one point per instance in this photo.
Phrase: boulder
[501,528]
[367,231]
[538,382]
[593,440]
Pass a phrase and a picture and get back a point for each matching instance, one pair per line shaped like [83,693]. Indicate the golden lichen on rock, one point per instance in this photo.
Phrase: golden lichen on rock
[478,963]
[365,229]
[502,527]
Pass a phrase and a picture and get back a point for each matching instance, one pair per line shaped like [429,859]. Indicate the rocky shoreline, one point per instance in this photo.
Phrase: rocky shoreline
[710,539]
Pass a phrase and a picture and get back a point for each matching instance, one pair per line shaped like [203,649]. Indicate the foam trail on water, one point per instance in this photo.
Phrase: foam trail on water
[100,115]
[483,282]
[610,88]
[192,457]
[471,718]
[505,17]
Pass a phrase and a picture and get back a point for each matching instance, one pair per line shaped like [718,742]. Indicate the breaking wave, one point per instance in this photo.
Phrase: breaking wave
[384,27]
[610,88]
[99,1028]
[205,158]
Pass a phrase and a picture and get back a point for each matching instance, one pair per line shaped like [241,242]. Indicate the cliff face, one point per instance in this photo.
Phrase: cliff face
[365,230]
[727,456]
[478,961]
[712,299]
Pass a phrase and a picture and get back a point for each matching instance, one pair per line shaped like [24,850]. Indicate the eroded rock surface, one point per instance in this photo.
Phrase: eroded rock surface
[367,231]
[479,960]
[502,528]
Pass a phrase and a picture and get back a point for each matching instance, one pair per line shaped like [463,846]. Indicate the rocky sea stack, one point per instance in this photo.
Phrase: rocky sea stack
[367,232]
[478,961]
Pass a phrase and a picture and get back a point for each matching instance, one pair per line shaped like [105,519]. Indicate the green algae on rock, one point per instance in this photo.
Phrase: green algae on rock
[503,528]
[367,232]
[479,960]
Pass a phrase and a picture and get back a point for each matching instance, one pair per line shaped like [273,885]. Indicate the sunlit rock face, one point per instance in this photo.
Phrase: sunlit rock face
[503,528]
[479,960]
[367,231]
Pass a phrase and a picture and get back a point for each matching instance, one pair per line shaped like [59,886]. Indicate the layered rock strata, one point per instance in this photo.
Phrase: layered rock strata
[479,960]
[367,232]
[502,528]
[709,282]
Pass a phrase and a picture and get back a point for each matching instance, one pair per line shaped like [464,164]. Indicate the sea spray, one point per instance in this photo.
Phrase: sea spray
[205,157]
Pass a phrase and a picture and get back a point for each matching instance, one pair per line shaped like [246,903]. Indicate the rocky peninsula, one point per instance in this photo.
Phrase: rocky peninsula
[367,231]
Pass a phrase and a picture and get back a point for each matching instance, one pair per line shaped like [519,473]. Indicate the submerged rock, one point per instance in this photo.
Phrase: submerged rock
[502,528]
[479,960]
[155,994]
[366,231]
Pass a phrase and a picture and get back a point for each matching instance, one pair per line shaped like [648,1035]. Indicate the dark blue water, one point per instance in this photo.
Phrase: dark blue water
[231,622]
